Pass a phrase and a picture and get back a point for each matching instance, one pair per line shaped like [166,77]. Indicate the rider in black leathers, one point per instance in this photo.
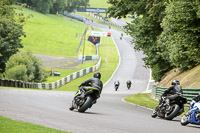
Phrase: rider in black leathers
[128,84]
[173,91]
[196,98]
[94,82]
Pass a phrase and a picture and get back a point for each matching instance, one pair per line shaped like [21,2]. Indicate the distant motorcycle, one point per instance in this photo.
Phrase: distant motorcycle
[116,87]
[193,115]
[84,98]
[169,110]
[128,86]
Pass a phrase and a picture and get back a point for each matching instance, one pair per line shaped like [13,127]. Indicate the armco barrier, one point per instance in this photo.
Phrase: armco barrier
[188,93]
[53,85]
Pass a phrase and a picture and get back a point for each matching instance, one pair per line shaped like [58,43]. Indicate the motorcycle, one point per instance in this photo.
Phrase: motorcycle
[169,109]
[128,86]
[193,115]
[116,87]
[84,98]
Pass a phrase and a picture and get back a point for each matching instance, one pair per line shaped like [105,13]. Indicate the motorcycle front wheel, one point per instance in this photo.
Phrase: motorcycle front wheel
[86,105]
[154,114]
[184,120]
[116,87]
[173,113]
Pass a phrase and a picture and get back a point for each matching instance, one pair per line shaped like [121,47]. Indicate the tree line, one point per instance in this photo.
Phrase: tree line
[54,6]
[167,31]
[14,64]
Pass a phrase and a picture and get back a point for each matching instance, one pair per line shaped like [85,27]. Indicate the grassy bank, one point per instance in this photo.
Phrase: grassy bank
[110,60]
[188,79]
[142,99]
[13,126]
[99,4]
[51,34]
[145,100]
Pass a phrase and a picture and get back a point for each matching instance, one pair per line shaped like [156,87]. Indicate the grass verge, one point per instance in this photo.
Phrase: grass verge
[110,60]
[145,100]
[13,126]
[51,34]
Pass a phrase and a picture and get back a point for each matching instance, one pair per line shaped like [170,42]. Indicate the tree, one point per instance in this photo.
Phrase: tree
[58,6]
[11,29]
[180,37]
[74,4]
[33,71]
[145,30]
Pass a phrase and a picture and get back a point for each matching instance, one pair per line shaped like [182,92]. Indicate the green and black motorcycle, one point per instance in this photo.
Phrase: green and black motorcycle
[84,98]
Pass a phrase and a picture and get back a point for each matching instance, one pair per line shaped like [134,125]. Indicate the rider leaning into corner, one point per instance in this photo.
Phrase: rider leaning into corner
[173,91]
[94,82]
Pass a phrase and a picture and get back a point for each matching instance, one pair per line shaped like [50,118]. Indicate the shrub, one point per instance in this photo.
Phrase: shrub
[17,72]
[34,69]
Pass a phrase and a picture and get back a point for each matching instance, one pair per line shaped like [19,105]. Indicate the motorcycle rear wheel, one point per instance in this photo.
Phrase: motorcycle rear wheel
[173,113]
[86,105]
[184,120]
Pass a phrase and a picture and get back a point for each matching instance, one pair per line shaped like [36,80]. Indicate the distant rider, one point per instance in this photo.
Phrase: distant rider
[128,83]
[116,83]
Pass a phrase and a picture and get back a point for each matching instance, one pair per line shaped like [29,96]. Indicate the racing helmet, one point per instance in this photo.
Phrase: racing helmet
[175,82]
[97,75]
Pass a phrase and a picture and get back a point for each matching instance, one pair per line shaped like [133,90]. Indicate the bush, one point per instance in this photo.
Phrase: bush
[34,70]
[17,72]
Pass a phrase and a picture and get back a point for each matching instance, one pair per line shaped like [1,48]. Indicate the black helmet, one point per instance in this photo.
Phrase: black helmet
[97,75]
[175,82]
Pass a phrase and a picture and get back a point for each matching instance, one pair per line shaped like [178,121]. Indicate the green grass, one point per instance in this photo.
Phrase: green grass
[99,4]
[110,60]
[145,100]
[51,34]
[112,27]
[66,72]
[89,48]
[13,126]
[142,99]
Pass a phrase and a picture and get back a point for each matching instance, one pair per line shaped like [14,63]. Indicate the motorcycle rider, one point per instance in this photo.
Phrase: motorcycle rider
[171,93]
[93,82]
[116,83]
[128,84]
[196,98]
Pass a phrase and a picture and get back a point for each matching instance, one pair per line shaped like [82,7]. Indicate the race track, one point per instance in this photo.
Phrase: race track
[109,115]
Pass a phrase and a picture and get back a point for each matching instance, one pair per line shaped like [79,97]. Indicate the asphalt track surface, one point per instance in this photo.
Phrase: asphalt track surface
[109,115]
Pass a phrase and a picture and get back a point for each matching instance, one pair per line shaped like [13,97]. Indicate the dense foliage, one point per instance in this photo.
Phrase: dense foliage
[167,31]
[26,67]
[54,6]
[11,29]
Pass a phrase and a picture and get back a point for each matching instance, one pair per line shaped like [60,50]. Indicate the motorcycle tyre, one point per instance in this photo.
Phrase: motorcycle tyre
[174,113]
[154,114]
[86,105]
[184,122]
[116,88]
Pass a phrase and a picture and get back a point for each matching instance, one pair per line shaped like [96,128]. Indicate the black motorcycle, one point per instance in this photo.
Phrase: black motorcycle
[128,86]
[116,87]
[169,109]
[84,98]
